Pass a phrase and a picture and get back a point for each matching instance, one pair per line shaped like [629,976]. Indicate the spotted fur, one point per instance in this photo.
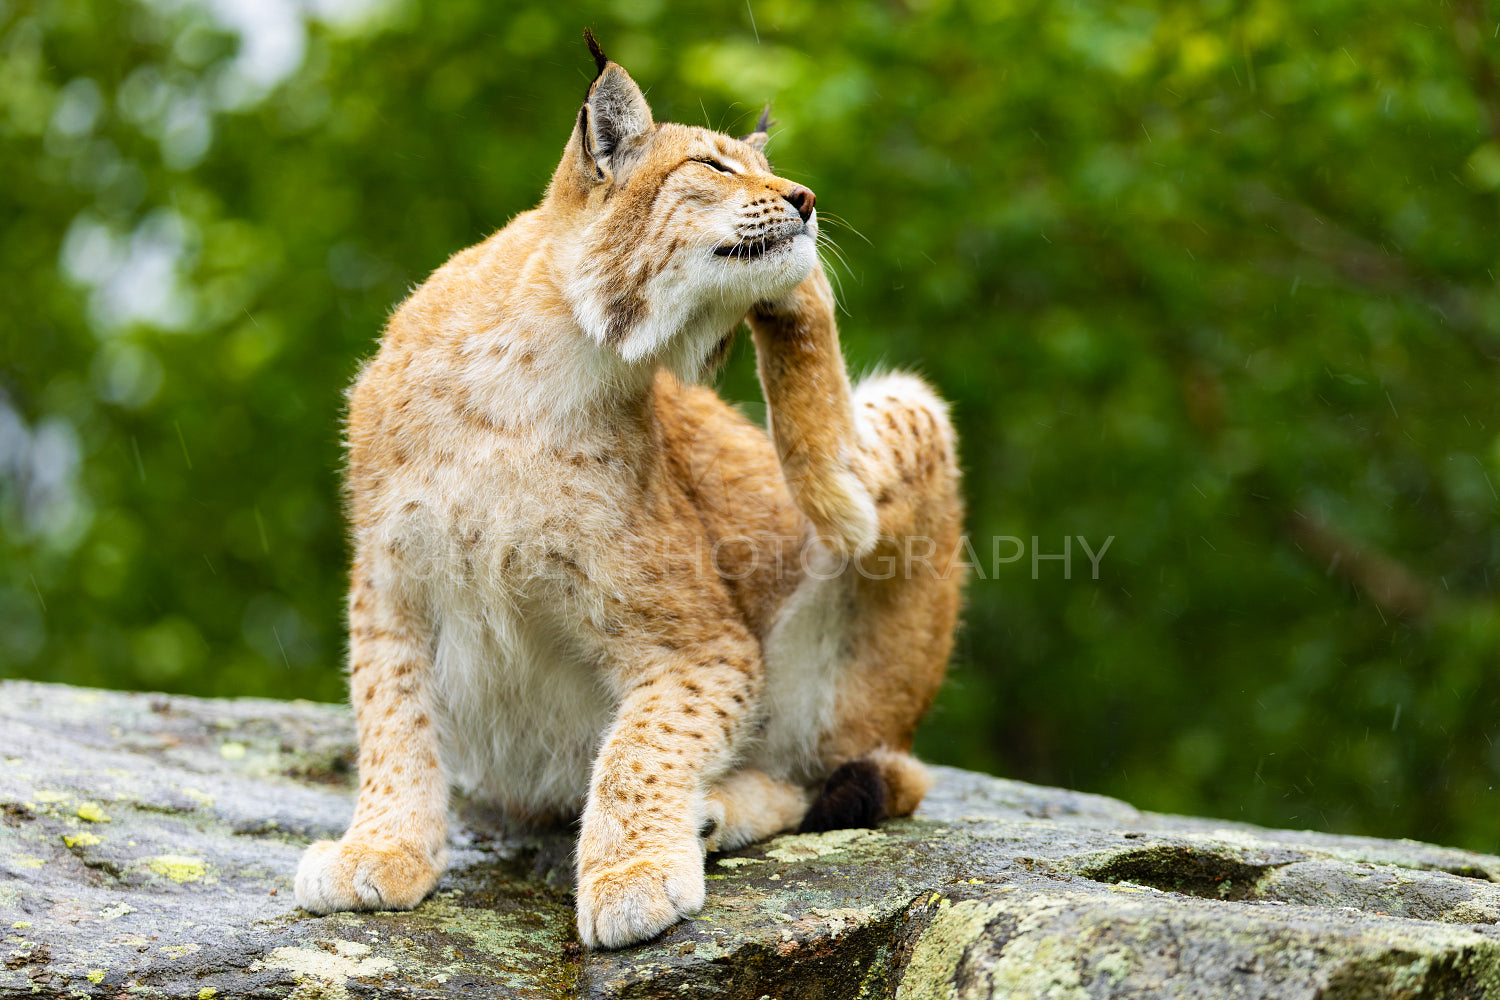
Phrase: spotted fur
[583,584]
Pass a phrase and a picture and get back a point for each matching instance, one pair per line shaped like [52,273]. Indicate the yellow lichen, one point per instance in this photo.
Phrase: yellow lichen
[96,975]
[178,868]
[232,751]
[80,840]
[207,993]
[43,795]
[21,925]
[90,811]
[26,861]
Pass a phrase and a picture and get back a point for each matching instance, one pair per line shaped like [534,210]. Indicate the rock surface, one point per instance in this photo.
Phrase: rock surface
[147,845]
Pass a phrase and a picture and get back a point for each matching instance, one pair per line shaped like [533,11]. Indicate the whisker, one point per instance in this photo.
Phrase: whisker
[841,221]
[835,279]
[837,284]
[793,173]
[723,118]
[838,253]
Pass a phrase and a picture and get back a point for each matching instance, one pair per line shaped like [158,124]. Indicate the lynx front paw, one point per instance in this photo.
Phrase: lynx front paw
[360,874]
[639,898]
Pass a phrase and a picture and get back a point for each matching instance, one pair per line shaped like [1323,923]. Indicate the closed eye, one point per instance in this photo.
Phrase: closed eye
[715,164]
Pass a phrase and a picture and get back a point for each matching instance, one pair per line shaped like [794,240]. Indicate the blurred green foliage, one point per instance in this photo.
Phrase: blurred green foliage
[1214,279]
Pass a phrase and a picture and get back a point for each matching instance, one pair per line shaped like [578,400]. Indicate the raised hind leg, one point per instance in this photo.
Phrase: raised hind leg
[750,805]
[906,597]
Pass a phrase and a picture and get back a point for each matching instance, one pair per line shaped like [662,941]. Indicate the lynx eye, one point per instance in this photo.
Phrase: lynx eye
[715,164]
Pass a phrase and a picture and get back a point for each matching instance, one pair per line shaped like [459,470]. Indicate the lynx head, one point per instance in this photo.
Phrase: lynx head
[671,232]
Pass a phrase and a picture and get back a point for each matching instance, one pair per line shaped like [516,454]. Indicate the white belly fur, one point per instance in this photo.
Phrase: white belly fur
[805,654]
[523,709]
[523,706]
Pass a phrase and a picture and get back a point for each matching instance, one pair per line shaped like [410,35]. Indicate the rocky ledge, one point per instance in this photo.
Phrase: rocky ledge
[147,845]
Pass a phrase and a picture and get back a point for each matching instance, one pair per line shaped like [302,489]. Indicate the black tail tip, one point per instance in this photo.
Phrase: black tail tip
[852,797]
[600,59]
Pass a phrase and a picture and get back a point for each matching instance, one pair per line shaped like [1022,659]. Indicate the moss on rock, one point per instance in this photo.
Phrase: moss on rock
[995,889]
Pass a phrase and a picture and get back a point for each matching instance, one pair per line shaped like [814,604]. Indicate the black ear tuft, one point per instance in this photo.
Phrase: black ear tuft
[853,796]
[758,139]
[614,117]
[600,59]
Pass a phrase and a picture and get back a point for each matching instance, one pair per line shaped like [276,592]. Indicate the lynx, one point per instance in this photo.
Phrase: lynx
[582,583]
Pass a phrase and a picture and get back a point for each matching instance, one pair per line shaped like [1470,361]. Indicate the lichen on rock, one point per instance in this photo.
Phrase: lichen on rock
[147,846]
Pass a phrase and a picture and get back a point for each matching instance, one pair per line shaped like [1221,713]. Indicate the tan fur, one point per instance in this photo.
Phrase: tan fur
[582,583]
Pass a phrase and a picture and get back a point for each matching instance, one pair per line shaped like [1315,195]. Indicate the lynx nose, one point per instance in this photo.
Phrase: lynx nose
[802,200]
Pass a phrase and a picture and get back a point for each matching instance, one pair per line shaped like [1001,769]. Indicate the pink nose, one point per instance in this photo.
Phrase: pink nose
[802,200]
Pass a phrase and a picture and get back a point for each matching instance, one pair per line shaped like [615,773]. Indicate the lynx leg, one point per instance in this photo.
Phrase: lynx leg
[873,469]
[811,416]
[906,599]
[394,850]
[640,852]
[750,805]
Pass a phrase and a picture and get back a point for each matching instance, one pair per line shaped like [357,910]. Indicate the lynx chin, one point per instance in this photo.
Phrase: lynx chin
[563,595]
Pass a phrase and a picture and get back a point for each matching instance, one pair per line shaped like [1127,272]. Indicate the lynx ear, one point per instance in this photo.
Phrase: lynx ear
[614,118]
[757,140]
